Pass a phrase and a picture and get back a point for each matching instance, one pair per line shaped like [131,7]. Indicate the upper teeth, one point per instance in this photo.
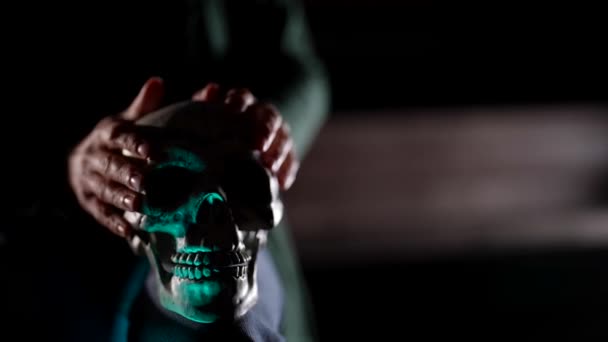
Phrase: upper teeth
[218,259]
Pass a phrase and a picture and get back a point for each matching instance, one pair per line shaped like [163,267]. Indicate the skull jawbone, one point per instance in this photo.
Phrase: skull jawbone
[208,301]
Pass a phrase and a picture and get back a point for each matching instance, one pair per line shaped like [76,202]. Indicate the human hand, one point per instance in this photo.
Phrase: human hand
[105,182]
[264,127]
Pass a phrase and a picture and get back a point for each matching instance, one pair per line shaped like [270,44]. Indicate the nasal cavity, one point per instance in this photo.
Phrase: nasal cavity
[212,210]
[215,220]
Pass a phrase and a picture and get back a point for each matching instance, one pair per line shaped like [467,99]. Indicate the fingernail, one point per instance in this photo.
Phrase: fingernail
[267,143]
[122,230]
[135,182]
[128,201]
[143,150]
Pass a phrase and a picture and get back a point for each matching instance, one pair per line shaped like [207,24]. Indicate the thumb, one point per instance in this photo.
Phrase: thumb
[149,98]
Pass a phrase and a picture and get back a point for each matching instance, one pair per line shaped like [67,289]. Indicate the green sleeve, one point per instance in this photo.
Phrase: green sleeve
[266,46]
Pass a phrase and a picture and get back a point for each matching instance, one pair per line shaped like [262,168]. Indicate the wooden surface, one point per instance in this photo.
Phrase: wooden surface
[412,183]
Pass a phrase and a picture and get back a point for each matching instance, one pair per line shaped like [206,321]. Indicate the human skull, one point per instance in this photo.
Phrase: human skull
[207,209]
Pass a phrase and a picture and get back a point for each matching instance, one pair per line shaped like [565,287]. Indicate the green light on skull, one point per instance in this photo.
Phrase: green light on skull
[178,157]
[176,222]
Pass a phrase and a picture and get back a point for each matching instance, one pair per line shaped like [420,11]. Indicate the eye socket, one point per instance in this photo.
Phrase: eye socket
[167,187]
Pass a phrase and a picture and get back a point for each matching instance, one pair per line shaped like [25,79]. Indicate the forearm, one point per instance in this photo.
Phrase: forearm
[304,104]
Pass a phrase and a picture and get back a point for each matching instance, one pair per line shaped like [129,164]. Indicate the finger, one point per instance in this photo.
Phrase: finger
[280,147]
[210,93]
[117,134]
[239,99]
[266,121]
[115,167]
[149,98]
[288,171]
[112,193]
[108,216]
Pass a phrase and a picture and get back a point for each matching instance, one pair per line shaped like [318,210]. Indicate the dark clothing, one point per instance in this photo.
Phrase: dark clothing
[72,66]
[143,319]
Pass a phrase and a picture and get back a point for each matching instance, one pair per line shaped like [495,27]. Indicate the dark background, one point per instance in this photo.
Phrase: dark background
[417,58]
[400,53]
[457,189]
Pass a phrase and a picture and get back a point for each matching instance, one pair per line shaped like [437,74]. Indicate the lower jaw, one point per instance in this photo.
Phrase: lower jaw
[188,299]
[206,314]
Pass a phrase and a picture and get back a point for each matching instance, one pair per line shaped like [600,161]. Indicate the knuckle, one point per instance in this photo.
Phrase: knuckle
[106,126]
[104,132]
[238,92]
[111,222]
[282,135]
[100,211]
[106,122]
[240,98]
[114,130]
[105,193]
[117,168]
[127,168]
[107,161]
[270,117]
[106,212]
[129,140]
[276,119]
[266,119]
[269,109]
[94,184]
[112,218]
